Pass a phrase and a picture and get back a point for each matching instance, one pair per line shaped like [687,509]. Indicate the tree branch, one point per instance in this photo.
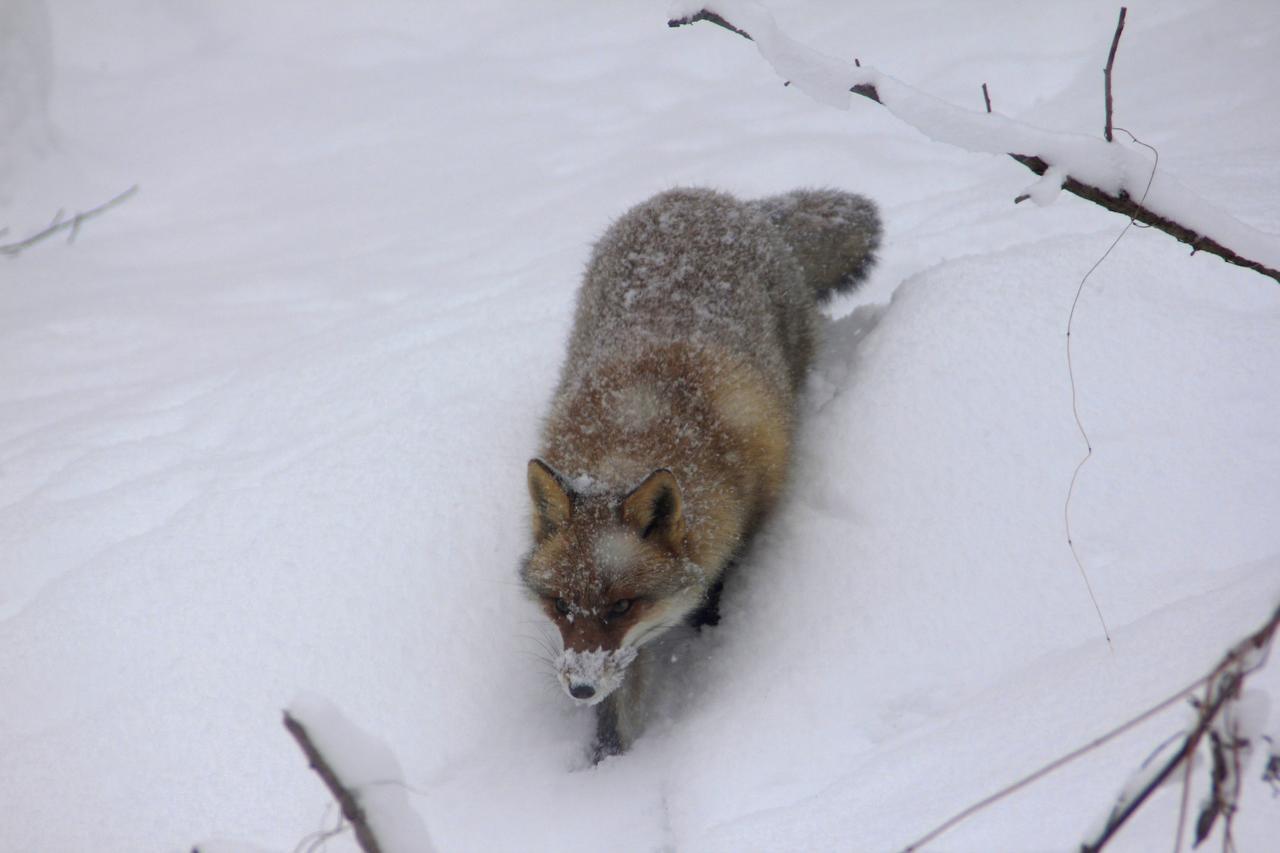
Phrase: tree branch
[1223,687]
[1118,202]
[1224,683]
[346,798]
[59,224]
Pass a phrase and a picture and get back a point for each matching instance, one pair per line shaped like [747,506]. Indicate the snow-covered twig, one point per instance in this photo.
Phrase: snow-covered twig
[1101,171]
[59,224]
[363,776]
[1224,683]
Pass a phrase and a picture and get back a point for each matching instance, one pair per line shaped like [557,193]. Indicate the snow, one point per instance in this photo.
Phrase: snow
[1046,190]
[264,427]
[25,78]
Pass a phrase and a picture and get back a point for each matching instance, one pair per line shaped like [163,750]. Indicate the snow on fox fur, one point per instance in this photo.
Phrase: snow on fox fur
[670,431]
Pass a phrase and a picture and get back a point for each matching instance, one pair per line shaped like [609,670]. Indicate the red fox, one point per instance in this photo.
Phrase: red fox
[670,431]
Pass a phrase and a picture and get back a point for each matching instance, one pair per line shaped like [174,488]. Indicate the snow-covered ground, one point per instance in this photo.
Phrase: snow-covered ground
[263,428]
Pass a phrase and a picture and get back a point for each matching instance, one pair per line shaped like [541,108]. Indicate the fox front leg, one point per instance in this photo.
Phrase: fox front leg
[607,742]
[620,717]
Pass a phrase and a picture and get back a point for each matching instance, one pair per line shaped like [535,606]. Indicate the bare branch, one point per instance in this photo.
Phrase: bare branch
[346,798]
[1224,683]
[1106,72]
[1120,202]
[59,224]
[1222,686]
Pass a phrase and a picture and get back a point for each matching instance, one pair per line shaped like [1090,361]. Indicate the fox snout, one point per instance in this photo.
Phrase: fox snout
[589,677]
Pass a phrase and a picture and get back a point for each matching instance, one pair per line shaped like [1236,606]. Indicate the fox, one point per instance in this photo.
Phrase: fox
[669,434]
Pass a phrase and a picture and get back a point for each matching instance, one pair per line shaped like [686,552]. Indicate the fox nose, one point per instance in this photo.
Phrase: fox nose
[582,691]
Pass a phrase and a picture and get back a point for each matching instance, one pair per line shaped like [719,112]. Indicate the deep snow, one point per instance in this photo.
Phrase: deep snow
[263,428]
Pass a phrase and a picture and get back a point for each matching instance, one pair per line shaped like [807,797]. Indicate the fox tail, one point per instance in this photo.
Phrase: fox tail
[833,234]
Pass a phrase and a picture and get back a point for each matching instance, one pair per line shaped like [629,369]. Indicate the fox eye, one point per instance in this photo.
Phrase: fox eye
[620,606]
[562,606]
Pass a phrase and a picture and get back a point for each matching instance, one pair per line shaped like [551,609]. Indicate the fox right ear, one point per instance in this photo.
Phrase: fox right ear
[655,510]
[552,502]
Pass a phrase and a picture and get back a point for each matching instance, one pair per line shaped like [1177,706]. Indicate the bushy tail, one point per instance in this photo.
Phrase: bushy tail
[833,234]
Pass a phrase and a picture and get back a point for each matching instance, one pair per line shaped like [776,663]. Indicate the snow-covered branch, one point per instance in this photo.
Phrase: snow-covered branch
[363,776]
[1107,173]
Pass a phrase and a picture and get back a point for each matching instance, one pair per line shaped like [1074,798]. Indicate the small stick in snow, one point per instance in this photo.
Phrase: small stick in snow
[986,96]
[1106,72]
[1222,686]
[351,809]
[59,224]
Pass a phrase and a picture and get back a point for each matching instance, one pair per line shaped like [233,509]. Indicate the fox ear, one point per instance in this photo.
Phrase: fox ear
[552,501]
[655,511]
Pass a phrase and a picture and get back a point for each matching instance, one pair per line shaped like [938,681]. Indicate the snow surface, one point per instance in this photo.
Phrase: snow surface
[263,428]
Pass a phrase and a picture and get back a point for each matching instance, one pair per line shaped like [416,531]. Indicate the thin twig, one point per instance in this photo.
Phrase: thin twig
[986,97]
[1106,72]
[346,798]
[1185,757]
[1120,202]
[1049,768]
[1118,819]
[1222,686]
[1260,639]
[317,839]
[59,224]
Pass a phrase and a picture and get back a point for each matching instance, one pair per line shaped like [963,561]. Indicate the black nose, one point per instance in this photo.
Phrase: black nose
[582,691]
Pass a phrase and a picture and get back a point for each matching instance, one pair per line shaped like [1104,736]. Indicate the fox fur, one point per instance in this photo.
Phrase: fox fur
[670,431]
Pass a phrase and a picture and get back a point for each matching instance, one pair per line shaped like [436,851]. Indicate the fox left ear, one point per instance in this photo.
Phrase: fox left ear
[552,500]
[655,511]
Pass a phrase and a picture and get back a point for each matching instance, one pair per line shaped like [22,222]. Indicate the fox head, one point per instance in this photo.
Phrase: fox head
[609,570]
